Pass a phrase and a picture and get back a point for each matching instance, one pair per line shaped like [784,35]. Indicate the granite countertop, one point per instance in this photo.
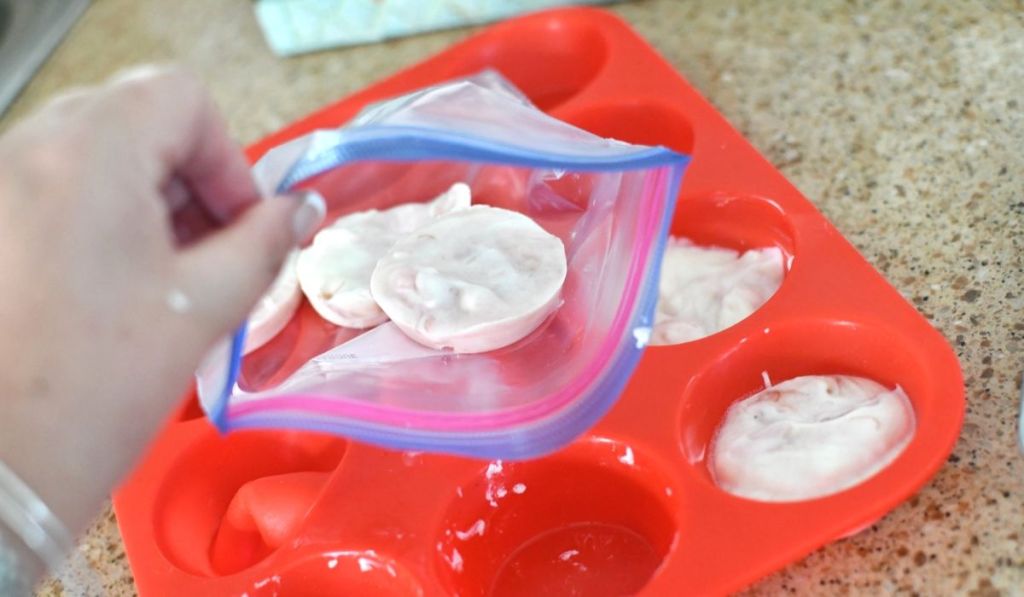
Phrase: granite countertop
[904,124]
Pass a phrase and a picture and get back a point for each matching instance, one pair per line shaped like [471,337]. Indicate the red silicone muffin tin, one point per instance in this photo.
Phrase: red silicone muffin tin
[630,507]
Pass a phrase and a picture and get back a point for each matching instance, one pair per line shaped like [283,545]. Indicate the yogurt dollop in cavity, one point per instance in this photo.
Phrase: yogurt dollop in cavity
[704,290]
[810,437]
[472,281]
[334,271]
[275,308]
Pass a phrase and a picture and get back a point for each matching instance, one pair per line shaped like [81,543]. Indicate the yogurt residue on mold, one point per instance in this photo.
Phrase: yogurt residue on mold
[810,437]
[704,290]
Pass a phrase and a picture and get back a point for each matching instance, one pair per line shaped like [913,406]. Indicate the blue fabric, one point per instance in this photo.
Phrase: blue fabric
[298,26]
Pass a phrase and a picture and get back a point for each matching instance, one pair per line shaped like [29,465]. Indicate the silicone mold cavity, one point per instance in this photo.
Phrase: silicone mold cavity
[643,122]
[198,493]
[549,73]
[735,222]
[740,223]
[594,519]
[791,349]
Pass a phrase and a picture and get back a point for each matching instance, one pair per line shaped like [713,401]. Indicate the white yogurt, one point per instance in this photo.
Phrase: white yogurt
[704,290]
[334,271]
[275,308]
[810,437]
[472,281]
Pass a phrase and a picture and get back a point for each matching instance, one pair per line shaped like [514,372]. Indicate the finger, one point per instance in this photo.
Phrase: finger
[190,224]
[177,194]
[190,220]
[71,100]
[173,121]
[225,273]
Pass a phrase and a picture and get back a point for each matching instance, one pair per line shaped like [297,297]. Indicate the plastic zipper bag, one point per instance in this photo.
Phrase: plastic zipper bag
[609,202]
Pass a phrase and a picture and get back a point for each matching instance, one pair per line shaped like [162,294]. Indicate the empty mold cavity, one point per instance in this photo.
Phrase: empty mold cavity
[231,500]
[641,122]
[792,349]
[340,572]
[594,519]
[549,60]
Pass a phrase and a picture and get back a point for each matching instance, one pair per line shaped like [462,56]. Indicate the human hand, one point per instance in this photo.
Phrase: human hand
[132,238]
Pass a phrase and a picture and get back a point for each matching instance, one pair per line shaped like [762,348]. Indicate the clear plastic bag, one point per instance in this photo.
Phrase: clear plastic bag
[609,202]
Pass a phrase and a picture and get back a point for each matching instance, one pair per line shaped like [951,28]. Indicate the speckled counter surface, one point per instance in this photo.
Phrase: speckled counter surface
[904,123]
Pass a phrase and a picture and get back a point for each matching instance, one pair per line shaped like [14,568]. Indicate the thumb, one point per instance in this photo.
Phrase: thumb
[227,272]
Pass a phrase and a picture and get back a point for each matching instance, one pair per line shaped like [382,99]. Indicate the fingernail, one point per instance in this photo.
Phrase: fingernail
[308,216]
